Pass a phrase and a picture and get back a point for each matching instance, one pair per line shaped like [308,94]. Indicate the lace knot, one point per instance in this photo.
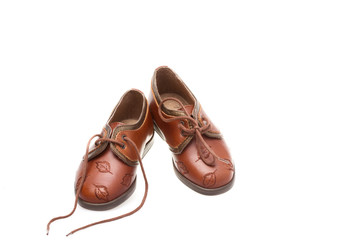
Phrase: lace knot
[196,128]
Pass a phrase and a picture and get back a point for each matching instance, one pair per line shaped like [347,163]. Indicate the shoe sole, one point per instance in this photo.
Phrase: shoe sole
[123,197]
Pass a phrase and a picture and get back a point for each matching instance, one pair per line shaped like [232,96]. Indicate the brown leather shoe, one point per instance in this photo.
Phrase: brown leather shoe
[111,172]
[107,174]
[200,156]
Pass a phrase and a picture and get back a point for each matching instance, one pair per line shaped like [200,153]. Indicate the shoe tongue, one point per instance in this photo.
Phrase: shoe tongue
[113,125]
[178,111]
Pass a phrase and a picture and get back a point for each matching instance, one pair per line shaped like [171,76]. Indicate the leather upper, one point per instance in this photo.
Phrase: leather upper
[111,168]
[186,153]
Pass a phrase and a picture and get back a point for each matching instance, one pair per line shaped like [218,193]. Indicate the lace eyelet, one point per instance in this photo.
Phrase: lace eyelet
[182,122]
[123,146]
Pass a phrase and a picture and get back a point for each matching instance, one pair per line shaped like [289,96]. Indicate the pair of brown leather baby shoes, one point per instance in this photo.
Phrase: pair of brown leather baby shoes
[107,174]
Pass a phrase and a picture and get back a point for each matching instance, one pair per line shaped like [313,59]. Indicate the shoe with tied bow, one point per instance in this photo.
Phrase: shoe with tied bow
[201,158]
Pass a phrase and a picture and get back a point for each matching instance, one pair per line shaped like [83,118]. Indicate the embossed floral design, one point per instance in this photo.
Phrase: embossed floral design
[78,182]
[103,166]
[209,179]
[101,192]
[228,163]
[126,179]
[182,168]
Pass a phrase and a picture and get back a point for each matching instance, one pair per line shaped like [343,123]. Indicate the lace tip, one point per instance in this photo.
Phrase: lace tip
[69,234]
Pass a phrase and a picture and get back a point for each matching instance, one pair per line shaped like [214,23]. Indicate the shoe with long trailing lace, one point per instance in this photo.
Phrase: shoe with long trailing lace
[201,157]
[107,174]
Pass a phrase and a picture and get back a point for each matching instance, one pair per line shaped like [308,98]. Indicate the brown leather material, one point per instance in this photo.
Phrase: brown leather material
[145,130]
[107,178]
[111,169]
[200,154]
[213,130]
[96,150]
[176,142]
[107,175]
[189,164]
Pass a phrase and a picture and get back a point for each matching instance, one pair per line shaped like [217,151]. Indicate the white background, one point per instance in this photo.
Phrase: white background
[279,78]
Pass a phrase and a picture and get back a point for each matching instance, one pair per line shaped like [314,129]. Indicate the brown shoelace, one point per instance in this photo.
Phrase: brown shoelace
[84,168]
[207,155]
